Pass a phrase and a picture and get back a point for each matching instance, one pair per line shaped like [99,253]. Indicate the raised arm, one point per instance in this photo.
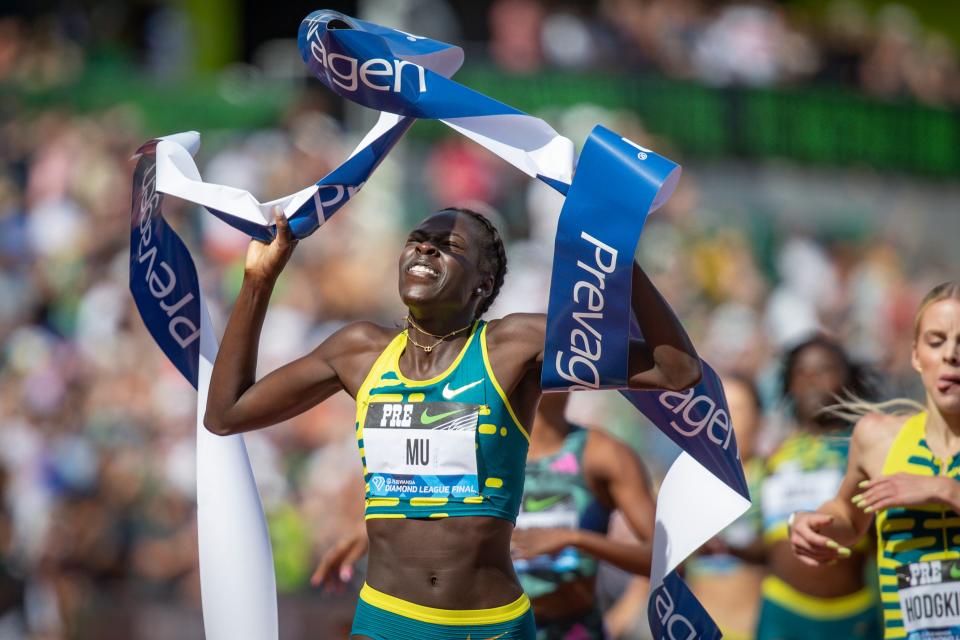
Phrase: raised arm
[236,402]
[665,358]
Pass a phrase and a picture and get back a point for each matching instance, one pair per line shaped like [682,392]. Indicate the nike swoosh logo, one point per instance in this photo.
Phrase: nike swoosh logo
[428,419]
[492,637]
[449,393]
[533,504]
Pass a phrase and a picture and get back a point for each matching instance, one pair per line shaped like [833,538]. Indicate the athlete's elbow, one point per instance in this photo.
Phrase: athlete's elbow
[214,423]
[684,375]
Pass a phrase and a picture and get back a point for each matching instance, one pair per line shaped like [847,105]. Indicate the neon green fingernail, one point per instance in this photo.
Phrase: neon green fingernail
[868,509]
[843,552]
[863,485]
[832,544]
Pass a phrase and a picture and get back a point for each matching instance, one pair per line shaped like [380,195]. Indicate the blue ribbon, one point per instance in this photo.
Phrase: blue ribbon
[374,67]
[590,318]
[163,278]
[698,421]
[334,190]
[590,323]
[674,613]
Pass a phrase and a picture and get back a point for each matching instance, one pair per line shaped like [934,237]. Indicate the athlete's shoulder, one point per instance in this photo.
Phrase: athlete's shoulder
[786,450]
[872,440]
[352,350]
[518,337]
[517,327]
[606,451]
[602,440]
[877,430]
[360,337]
[610,463]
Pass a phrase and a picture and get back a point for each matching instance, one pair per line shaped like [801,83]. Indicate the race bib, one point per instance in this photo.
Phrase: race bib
[930,599]
[423,449]
[548,511]
[789,491]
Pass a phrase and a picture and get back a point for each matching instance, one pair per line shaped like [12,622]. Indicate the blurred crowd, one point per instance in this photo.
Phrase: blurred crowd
[97,517]
[888,52]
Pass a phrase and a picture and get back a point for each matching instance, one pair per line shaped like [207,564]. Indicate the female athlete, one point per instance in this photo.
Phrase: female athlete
[443,410]
[575,478]
[903,470]
[800,603]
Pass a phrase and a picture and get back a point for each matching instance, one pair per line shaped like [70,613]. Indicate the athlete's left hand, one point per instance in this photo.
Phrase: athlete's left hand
[530,543]
[336,566]
[901,490]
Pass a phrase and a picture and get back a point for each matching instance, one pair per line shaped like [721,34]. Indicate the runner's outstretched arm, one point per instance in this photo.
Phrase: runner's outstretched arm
[236,402]
[666,358]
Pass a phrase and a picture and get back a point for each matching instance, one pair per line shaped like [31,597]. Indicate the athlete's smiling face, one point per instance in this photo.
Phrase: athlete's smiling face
[439,264]
[936,354]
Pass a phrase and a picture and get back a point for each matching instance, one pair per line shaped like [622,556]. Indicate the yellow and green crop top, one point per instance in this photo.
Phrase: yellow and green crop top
[804,472]
[444,447]
[918,550]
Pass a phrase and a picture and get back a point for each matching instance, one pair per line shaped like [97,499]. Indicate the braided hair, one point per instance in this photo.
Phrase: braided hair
[493,256]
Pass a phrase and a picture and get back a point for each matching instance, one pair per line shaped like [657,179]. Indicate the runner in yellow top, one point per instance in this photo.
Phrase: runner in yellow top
[904,468]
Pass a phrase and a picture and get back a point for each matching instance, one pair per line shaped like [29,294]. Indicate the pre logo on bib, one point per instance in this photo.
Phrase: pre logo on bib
[930,599]
[424,449]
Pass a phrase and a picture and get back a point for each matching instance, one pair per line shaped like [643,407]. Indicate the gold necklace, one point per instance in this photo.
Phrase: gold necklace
[430,347]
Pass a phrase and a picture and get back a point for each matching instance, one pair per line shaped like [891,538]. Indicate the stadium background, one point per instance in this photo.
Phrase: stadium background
[820,141]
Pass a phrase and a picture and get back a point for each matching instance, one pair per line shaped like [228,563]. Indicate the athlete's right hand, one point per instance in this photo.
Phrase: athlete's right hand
[336,565]
[809,545]
[266,261]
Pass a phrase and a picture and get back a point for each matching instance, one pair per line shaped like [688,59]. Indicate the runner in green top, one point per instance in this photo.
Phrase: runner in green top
[429,575]
[575,478]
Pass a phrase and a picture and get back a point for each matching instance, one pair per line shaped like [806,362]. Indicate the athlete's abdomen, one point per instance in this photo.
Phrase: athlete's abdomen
[450,563]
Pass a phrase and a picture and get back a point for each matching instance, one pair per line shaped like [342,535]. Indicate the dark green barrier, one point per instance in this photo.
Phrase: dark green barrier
[832,127]
[814,125]
[200,102]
